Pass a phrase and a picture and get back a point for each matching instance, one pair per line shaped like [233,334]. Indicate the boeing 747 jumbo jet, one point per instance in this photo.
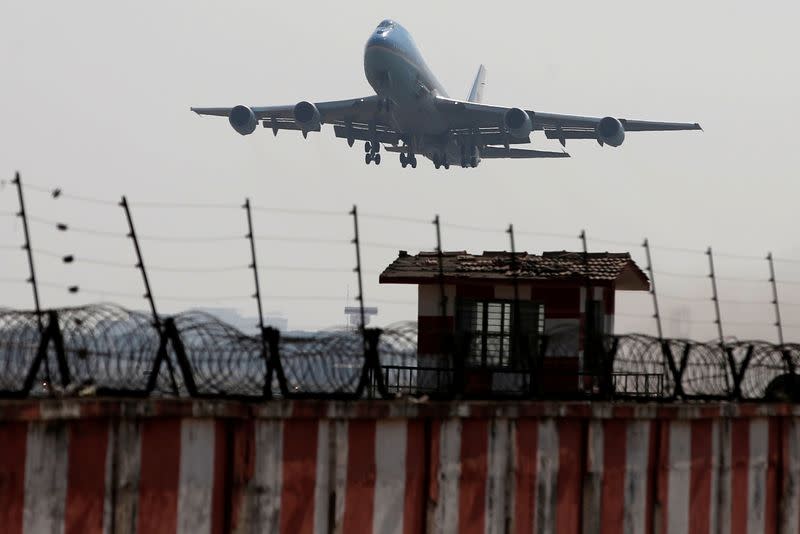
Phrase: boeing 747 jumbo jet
[411,114]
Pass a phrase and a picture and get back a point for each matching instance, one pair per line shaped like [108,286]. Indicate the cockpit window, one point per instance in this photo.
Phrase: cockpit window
[385,25]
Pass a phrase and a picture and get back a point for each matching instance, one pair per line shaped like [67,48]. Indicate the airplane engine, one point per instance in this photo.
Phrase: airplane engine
[610,131]
[243,120]
[306,115]
[518,122]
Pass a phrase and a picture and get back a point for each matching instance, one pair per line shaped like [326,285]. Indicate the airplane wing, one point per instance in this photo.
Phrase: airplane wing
[495,152]
[356,118]
[463,115]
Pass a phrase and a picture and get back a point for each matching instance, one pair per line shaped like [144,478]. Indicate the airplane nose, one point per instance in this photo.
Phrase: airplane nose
[378,38]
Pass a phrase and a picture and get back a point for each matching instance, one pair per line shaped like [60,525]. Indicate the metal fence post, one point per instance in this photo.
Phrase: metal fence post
[162,348]
[715,294]
[367,378]
[656,312]
[31,270]
[270,356]
[774,284]
[29,250]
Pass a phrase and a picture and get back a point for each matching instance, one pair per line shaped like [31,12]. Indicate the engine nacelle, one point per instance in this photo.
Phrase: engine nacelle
[610,131]
[306,115]
[518,122]
[243,120]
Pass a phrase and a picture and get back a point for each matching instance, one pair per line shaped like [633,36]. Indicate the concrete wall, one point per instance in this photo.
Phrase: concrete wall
[397,467]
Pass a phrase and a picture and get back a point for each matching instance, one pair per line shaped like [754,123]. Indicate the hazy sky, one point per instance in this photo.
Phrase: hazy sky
[96,95]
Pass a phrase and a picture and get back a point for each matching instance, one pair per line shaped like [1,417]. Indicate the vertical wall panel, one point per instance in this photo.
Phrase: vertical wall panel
[700,477]
[593,513]
[13,444]
[615,441]
[725,475]
[445,514]
[637,476]
[46,477]
[790,496]
[570,476]
[526,448]
[264,500]
[757,475]
[322,474]
[416,494]
[86,476]
[472,490]
[391,442]
[223,493]
[242,473]
[360,496]
[338,469]
[159,476]
[126,441]
[547,482]
[679,472]
[196,476]
[740,462]
[498,491]
[299,464]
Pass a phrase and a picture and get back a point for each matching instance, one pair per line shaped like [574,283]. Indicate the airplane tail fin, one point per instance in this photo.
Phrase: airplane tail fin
[476,93]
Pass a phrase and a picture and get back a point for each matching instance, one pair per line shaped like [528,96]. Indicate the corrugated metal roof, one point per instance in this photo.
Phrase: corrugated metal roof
[561,265]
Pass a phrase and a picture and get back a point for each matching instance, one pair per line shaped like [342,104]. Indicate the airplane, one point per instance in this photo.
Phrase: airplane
[411,114]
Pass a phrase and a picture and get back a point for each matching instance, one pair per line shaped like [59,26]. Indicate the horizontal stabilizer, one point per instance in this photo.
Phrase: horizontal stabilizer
[493,152]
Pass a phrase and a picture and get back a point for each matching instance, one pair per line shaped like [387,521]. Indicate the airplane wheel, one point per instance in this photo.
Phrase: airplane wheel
[414,163]
[436,164]
[446,165]
[377,158]
[403,159]
[367,158]
[473,163]
[367,147]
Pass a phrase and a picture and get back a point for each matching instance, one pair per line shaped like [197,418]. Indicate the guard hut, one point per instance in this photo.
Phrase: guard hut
[528,322]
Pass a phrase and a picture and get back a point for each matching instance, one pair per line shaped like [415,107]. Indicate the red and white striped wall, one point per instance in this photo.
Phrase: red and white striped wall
[397,468]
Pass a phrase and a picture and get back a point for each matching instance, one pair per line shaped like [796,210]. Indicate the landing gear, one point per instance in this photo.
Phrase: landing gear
[372,152]
[411,159]
[440,162]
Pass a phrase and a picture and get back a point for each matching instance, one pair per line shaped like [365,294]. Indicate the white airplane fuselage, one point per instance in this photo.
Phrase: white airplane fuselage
[396,71]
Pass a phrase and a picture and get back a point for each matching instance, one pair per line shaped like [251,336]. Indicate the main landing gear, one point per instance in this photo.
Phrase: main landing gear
[411,159]
[372,152]
[437,162]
